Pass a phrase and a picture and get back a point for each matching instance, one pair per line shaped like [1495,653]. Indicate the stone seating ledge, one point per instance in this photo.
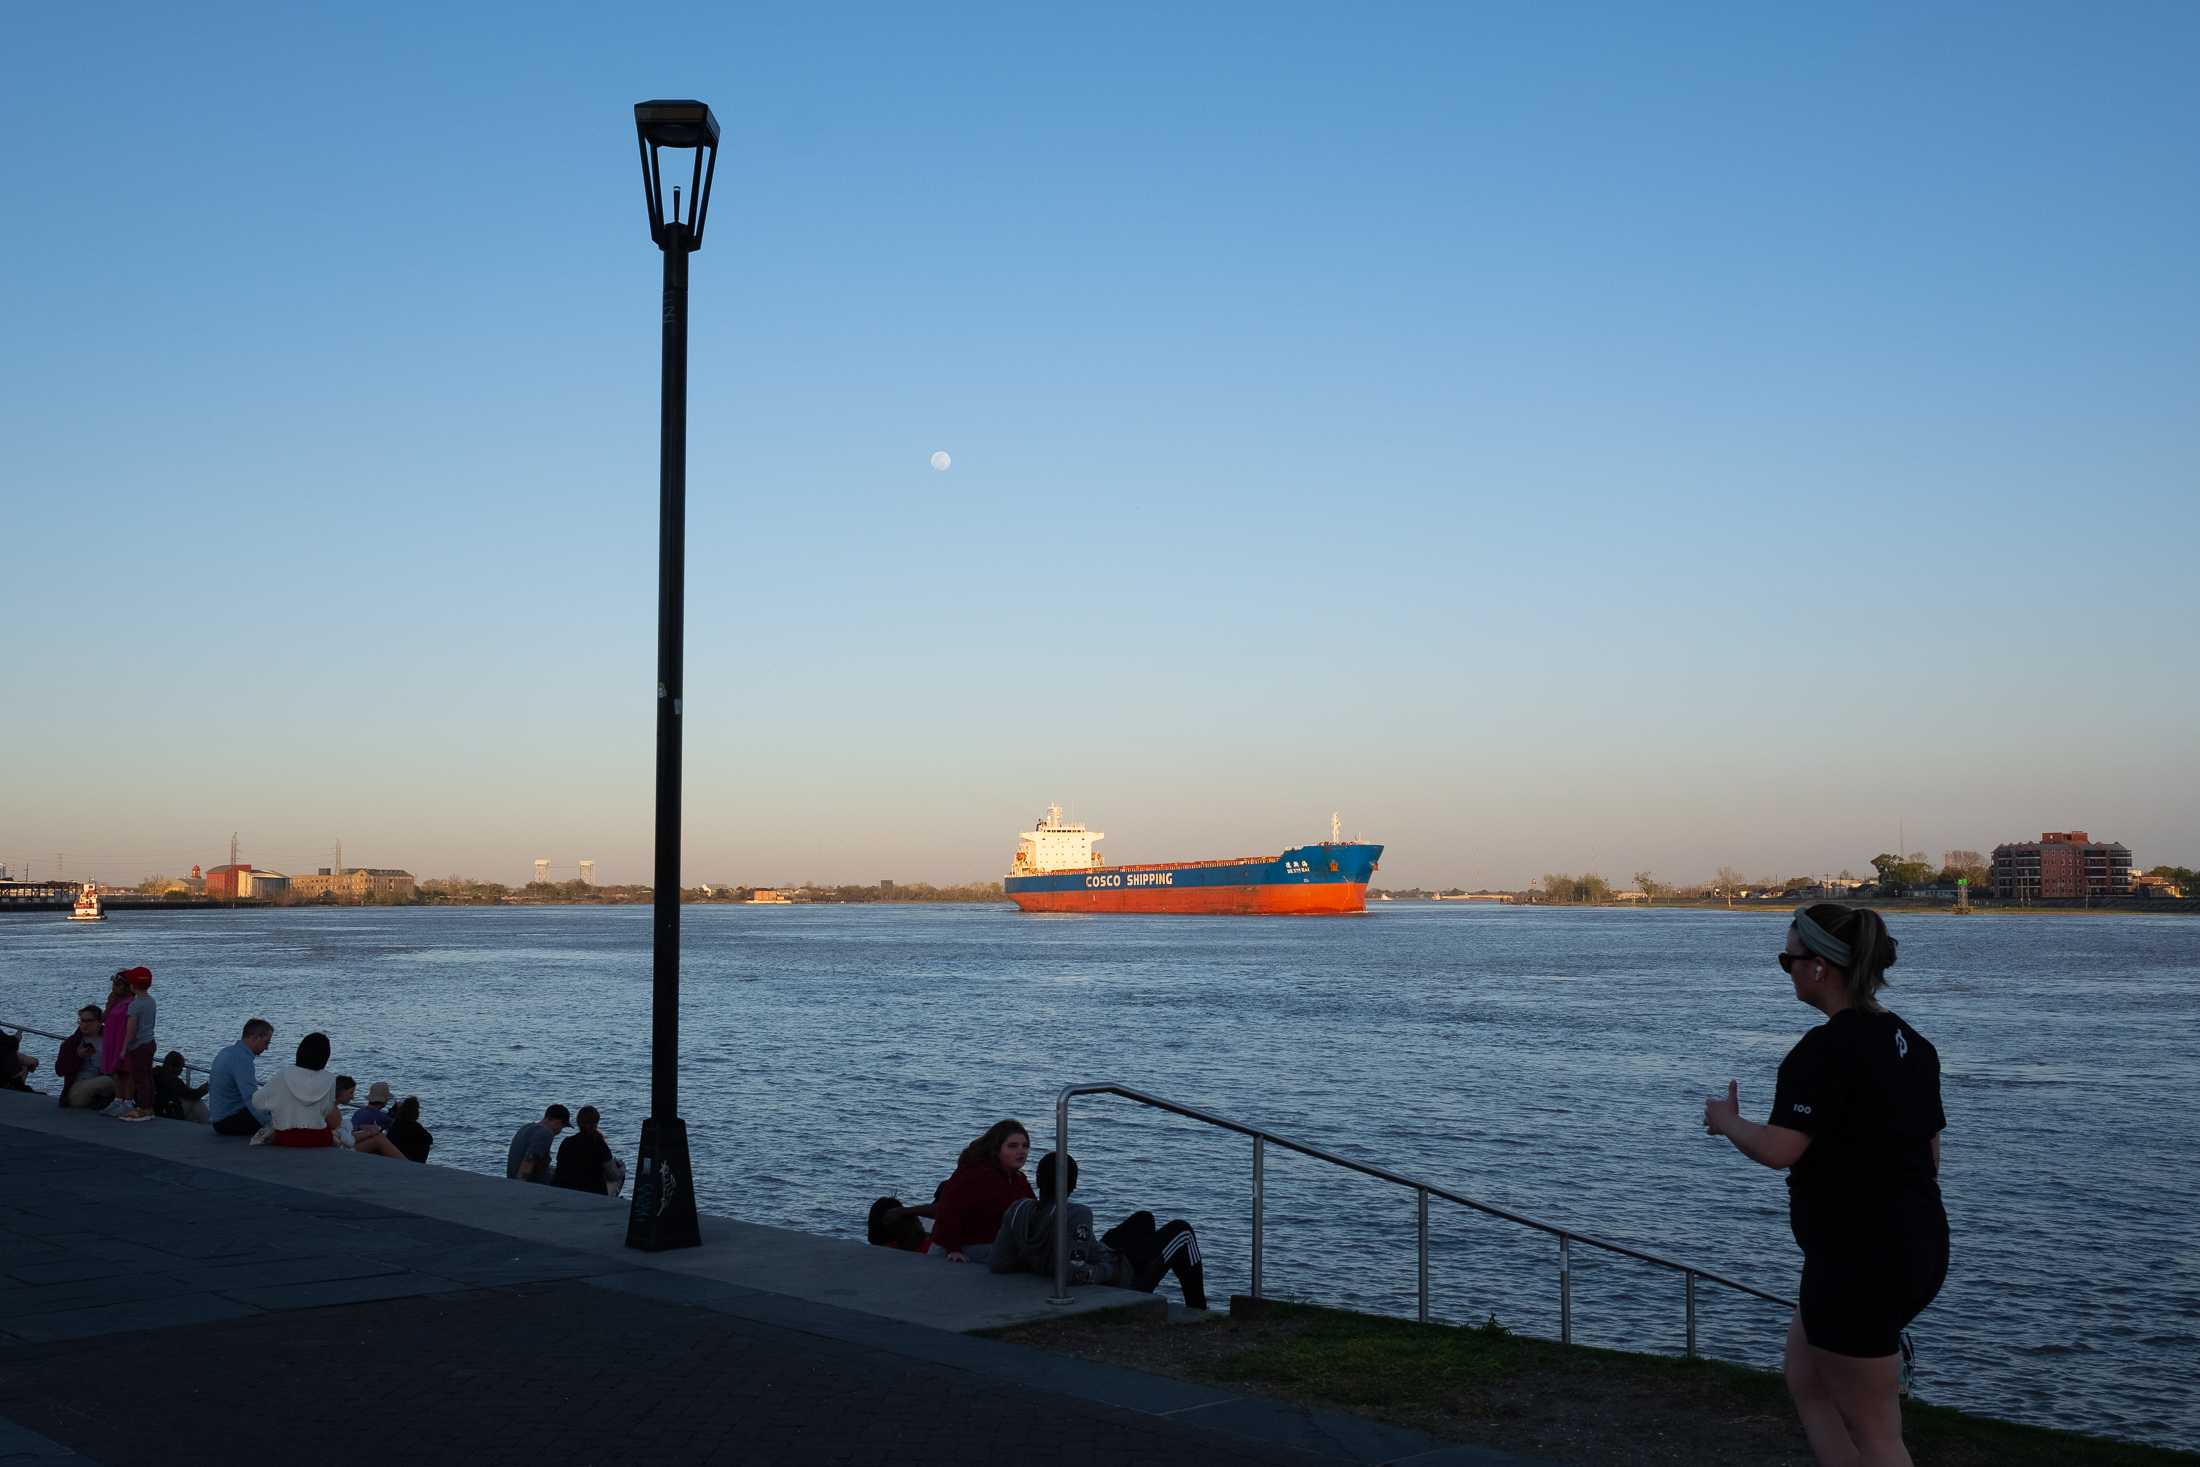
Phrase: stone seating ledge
[836,1271]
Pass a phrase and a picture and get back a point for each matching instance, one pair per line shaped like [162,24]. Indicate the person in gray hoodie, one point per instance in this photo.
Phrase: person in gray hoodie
[1134,1254]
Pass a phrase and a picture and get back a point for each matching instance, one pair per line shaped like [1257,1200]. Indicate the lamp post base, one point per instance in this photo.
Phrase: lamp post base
[663,1213]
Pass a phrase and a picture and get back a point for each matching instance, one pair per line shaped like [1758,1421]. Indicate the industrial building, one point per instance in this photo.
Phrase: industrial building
[222,881]
[355,884]
[254,884]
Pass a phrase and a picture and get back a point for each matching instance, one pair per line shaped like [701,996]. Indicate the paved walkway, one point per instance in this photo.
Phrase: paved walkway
[160,1308]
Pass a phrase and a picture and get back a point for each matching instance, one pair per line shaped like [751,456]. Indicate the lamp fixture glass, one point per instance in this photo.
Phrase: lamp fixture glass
[679,124]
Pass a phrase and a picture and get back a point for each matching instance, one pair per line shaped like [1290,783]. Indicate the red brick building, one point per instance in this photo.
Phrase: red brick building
[221,881]
[2061,865]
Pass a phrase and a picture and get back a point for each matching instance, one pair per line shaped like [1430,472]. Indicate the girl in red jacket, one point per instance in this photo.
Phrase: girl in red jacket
[988,1180]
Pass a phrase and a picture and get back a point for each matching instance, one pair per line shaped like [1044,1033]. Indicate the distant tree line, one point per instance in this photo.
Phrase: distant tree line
[473,891]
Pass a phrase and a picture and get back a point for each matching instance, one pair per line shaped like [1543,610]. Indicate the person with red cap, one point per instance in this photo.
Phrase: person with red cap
[137,1045]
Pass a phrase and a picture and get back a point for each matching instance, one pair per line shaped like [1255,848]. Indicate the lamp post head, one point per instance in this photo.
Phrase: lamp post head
[685,124]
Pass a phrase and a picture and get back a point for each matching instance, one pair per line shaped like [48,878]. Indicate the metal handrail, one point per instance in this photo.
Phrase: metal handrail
[46,1034]
[1423,1190]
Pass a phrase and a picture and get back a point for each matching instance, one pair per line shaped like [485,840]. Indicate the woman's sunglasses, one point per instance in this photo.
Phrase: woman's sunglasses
[1789,960]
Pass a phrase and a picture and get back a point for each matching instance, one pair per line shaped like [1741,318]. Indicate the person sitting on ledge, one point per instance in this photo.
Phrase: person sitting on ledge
[236,1081]
[83,1084]
[174,1098]
[300,1100]
[585,1160]
[892,1225]
[528,1157]
[15,1066]
[368,1140]
[1134,1254]
[375,1114]
[411,1139]
[989,1176]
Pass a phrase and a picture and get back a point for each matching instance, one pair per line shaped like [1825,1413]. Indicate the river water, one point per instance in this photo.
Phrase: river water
[1550,1062]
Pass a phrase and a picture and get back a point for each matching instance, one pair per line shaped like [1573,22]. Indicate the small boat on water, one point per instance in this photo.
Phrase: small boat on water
[87,906]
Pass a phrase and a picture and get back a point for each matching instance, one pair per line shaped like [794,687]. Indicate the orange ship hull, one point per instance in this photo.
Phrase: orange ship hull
[1329,898]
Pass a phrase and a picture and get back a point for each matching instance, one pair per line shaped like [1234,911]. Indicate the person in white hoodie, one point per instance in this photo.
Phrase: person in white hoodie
[300,1099]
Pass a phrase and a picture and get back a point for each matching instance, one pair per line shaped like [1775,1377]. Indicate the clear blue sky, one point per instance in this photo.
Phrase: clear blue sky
[1557,437]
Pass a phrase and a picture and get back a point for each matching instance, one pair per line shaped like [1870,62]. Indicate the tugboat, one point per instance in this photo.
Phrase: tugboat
[87,906]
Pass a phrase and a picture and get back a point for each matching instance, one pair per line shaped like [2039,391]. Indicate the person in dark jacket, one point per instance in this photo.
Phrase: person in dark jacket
[1856,1123]
[989,1176]
[891,1225]
[174,1096]
[15,1066]
[407,1134]
[584,1158]
[83,1083]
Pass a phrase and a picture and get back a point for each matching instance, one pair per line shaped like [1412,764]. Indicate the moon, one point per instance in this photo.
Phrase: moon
[941,461]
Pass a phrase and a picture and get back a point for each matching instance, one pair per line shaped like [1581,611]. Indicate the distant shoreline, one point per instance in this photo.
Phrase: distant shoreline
[2125,907]
[2111,906]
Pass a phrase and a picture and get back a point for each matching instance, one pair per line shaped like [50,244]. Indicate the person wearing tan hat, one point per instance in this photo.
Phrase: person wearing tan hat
[375,1114]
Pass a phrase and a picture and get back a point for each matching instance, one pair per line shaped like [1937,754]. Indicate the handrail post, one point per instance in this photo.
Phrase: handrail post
[1565,1292]
[1422,1192]
[1260,1200]
[1061,1203]
[1690,1276]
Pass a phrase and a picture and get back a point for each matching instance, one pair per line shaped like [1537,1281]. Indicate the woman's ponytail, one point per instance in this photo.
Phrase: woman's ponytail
[1871,948]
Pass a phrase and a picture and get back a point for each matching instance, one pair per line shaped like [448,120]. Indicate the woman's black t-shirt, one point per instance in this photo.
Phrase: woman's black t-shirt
[1865,1087]
[581,1162]
[411,1139]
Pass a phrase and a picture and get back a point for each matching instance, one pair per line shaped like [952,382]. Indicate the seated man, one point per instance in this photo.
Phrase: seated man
[77,1065]
[1132,1255]
[528,1157]
[236,1081]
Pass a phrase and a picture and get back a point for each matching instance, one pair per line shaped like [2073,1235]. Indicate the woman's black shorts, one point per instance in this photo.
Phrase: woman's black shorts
[1857,1297]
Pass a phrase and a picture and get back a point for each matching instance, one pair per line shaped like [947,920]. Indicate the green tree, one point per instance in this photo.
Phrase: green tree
[1898,874]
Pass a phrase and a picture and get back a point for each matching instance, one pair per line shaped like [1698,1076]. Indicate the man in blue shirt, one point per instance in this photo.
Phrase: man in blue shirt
[229,1102]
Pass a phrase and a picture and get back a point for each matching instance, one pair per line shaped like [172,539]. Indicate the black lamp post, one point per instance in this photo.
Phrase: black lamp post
[663,1213]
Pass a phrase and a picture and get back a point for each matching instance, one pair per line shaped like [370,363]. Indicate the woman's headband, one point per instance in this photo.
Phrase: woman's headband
[1820,941]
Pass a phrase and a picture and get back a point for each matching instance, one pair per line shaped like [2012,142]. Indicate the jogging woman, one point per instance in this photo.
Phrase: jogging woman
[1856,1123]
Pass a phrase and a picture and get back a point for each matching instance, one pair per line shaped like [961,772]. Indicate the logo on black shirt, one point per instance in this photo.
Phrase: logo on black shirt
[1901,1045]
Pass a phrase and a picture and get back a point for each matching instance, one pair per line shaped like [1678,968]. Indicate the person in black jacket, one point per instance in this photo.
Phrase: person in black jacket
[585,1162]
[175,1097]
[1856,1123]
[407,1134]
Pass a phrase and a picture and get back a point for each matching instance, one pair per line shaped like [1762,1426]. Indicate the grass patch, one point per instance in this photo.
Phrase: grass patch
[1575,1404]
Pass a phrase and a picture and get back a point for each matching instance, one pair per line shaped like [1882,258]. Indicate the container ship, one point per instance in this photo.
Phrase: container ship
[1057,870]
